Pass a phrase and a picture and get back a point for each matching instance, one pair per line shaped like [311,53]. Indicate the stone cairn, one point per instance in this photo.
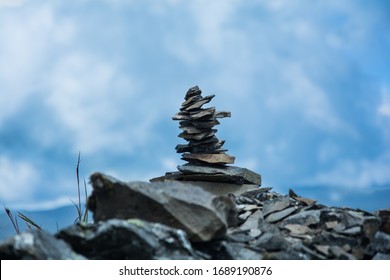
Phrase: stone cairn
[197,124]
[206,159]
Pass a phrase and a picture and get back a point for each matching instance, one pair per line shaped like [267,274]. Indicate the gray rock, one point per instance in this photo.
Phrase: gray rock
[210,158]
[297,229]
[381,243]
[36,245]
[199,103]
[272,241]
[240,175]
[252,222]
[202,215]
[384,215]
[238,251]
[128,239]
[305,218]
[381,256]
[275,205]
[280,215]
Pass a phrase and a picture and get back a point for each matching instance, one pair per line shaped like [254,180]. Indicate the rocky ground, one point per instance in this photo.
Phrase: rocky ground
[171,220]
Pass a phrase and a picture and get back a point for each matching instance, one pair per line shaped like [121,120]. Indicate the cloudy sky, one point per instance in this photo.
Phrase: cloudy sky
[307,82]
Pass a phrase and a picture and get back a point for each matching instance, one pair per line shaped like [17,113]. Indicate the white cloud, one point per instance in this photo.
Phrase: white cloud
[384,106]
[44,205]
[17,179]
[29,38]
[12,3]
[98,105]
[354,174]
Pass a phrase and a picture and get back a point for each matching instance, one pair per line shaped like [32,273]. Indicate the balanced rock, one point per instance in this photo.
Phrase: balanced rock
[202,215]
[197,123]
[207,160]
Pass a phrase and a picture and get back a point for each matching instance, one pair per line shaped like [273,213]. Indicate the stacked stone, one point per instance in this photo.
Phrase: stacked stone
[197,124]
[207,161]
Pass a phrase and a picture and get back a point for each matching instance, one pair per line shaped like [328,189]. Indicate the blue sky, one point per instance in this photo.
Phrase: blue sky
[307,82]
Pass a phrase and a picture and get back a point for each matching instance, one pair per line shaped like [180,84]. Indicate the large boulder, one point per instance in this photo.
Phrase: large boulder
[128,239]
[202,215]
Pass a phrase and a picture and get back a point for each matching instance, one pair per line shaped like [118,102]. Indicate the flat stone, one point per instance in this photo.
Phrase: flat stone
[323,249]
[209,112]
[280,215]
[340,253]
[193,91]
[275,205]
[306,201]
[252,221]
[222,114]
[245,215]
[218,188]
[353,230]
[200,102]
[254,232]
[197,136]
[331,225]
[272,241]
[247,176]
[297,229]
[181,116]
[202,215]
[199,123]
[192,129]
[210,158]
[190,101]
[305,218]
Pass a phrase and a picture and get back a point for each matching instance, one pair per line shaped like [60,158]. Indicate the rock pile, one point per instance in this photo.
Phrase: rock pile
[207,160]
[171,221]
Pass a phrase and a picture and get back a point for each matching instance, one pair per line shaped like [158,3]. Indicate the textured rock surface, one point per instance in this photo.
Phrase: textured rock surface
[36,245]
[128,239]
[202,215]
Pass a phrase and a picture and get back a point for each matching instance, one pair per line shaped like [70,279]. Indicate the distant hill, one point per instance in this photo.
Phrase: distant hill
[49,220]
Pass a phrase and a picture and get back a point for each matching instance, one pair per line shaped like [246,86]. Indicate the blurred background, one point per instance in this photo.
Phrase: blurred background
[307,83]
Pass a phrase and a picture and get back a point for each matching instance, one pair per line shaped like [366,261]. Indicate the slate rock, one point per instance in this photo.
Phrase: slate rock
[280,215]
[36,245]
[272,241]
[116,239]
[305,218]
[202,215]
[210,158]
[275,205]
[381,243]
[228,250]
[240,175]
[381,256]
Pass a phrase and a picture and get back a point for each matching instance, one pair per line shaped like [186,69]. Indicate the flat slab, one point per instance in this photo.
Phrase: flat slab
[217,188]
[210,158]
[236,174]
